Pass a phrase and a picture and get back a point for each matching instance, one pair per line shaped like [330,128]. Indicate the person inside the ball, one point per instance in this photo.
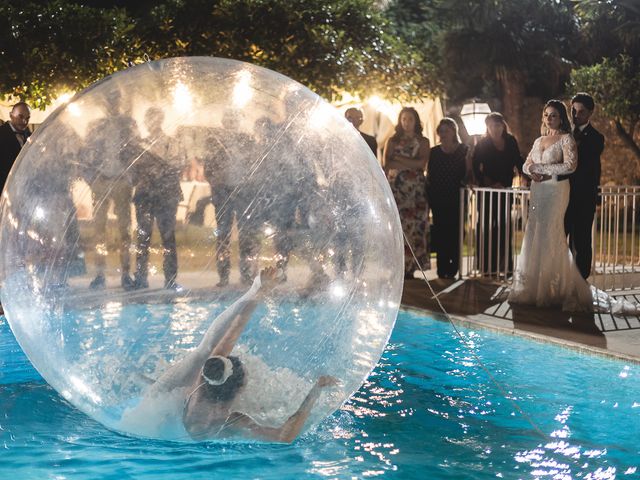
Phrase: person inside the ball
[211,378]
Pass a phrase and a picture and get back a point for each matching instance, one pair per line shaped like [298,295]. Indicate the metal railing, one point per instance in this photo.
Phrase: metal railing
[492,223]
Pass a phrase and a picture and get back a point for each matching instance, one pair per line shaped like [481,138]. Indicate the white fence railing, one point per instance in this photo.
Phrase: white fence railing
[492,222]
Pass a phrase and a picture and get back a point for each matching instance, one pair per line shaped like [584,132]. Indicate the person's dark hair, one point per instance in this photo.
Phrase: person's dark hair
[20,104]
[565,125]
[154,116]
[585,99]
[497,117]
[214,369]
[353,109]
[449,123]
[417,129]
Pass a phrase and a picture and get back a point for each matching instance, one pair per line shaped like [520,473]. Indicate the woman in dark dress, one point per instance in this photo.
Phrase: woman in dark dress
[445,175]
[495,158]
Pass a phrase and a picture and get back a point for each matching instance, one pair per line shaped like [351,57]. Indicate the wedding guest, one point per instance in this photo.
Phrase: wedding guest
[13,136]
[355,117]
[445,175]
[158,192]
[495,159]
[105,167]
[405,158]
[584,182]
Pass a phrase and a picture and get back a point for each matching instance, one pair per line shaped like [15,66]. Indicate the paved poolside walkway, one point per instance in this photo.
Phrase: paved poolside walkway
[483,303]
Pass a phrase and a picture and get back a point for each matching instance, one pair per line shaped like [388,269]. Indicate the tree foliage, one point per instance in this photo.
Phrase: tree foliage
[607,27]
[475,41]
[328,45]
[49,47]
[612,74]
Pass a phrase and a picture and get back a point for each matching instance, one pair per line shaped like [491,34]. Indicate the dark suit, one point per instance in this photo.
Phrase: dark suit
[371,141]
[584,181]
[9,150]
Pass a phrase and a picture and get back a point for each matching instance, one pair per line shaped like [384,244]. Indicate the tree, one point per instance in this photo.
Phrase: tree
[55,46]
[495,47]
[328,45]
[610,30]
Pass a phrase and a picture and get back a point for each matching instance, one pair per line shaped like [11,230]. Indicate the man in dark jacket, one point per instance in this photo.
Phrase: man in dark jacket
[13,135]
[584,182]
[355,117]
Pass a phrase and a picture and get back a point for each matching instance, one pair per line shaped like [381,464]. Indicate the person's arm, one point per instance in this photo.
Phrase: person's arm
[569,159]
[518,161]
[387,154]
[418,160]
[529,163]
[598,167]
[292,427]
[219,339]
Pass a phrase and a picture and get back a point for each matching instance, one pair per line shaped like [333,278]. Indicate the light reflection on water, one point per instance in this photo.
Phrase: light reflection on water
[427,411]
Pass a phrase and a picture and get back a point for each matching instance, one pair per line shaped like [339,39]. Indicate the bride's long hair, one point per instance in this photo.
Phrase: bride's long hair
[558,106]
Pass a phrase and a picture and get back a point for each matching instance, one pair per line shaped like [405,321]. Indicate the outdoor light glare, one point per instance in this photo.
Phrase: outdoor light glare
[321,115]
[384,106]
[473,115]
[182,99]
[242,92]
[74,109]
[65,97]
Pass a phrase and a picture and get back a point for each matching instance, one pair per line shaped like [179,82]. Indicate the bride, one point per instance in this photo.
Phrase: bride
[546,274]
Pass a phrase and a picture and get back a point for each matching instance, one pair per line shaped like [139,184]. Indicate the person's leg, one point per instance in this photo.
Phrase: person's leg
[438,238]
[341,242]
[100,190]
[450,240]
[143,241]
[224,221]
[569,216]
[422,249]
[248,236]
[283,220]
[165,214]
[122,206]
[580,239]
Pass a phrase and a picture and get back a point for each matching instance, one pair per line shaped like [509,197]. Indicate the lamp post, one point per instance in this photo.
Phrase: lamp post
[473,115]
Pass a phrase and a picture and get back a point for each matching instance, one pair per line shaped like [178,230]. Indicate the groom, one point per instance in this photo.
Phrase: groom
[584,182]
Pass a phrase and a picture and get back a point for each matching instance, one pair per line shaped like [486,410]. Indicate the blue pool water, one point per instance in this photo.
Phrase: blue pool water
[427,411]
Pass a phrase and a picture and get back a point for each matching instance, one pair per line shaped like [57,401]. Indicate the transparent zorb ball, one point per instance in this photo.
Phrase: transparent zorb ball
[143,208]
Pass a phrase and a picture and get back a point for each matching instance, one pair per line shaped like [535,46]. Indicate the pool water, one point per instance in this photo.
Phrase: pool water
[428,410]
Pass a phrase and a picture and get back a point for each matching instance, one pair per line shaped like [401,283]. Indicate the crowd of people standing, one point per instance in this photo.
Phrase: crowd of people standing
[422,179]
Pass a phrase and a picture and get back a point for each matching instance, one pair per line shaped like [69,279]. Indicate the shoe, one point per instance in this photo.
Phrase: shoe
[127,282]
[223,282]
[174,286]
[140,283]
[98,282]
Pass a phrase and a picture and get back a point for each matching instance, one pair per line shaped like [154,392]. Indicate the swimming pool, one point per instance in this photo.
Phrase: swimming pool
[427,411]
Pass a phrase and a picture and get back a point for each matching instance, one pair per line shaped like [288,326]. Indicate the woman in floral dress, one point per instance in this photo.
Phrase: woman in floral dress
[406,155]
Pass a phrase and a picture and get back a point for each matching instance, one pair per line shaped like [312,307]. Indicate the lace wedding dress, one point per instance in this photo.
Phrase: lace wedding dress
[546,274]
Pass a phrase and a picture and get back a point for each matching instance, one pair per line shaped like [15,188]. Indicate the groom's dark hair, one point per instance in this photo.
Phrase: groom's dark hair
[585,99]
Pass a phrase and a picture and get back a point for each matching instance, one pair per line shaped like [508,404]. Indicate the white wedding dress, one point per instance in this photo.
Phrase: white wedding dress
[546,274]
